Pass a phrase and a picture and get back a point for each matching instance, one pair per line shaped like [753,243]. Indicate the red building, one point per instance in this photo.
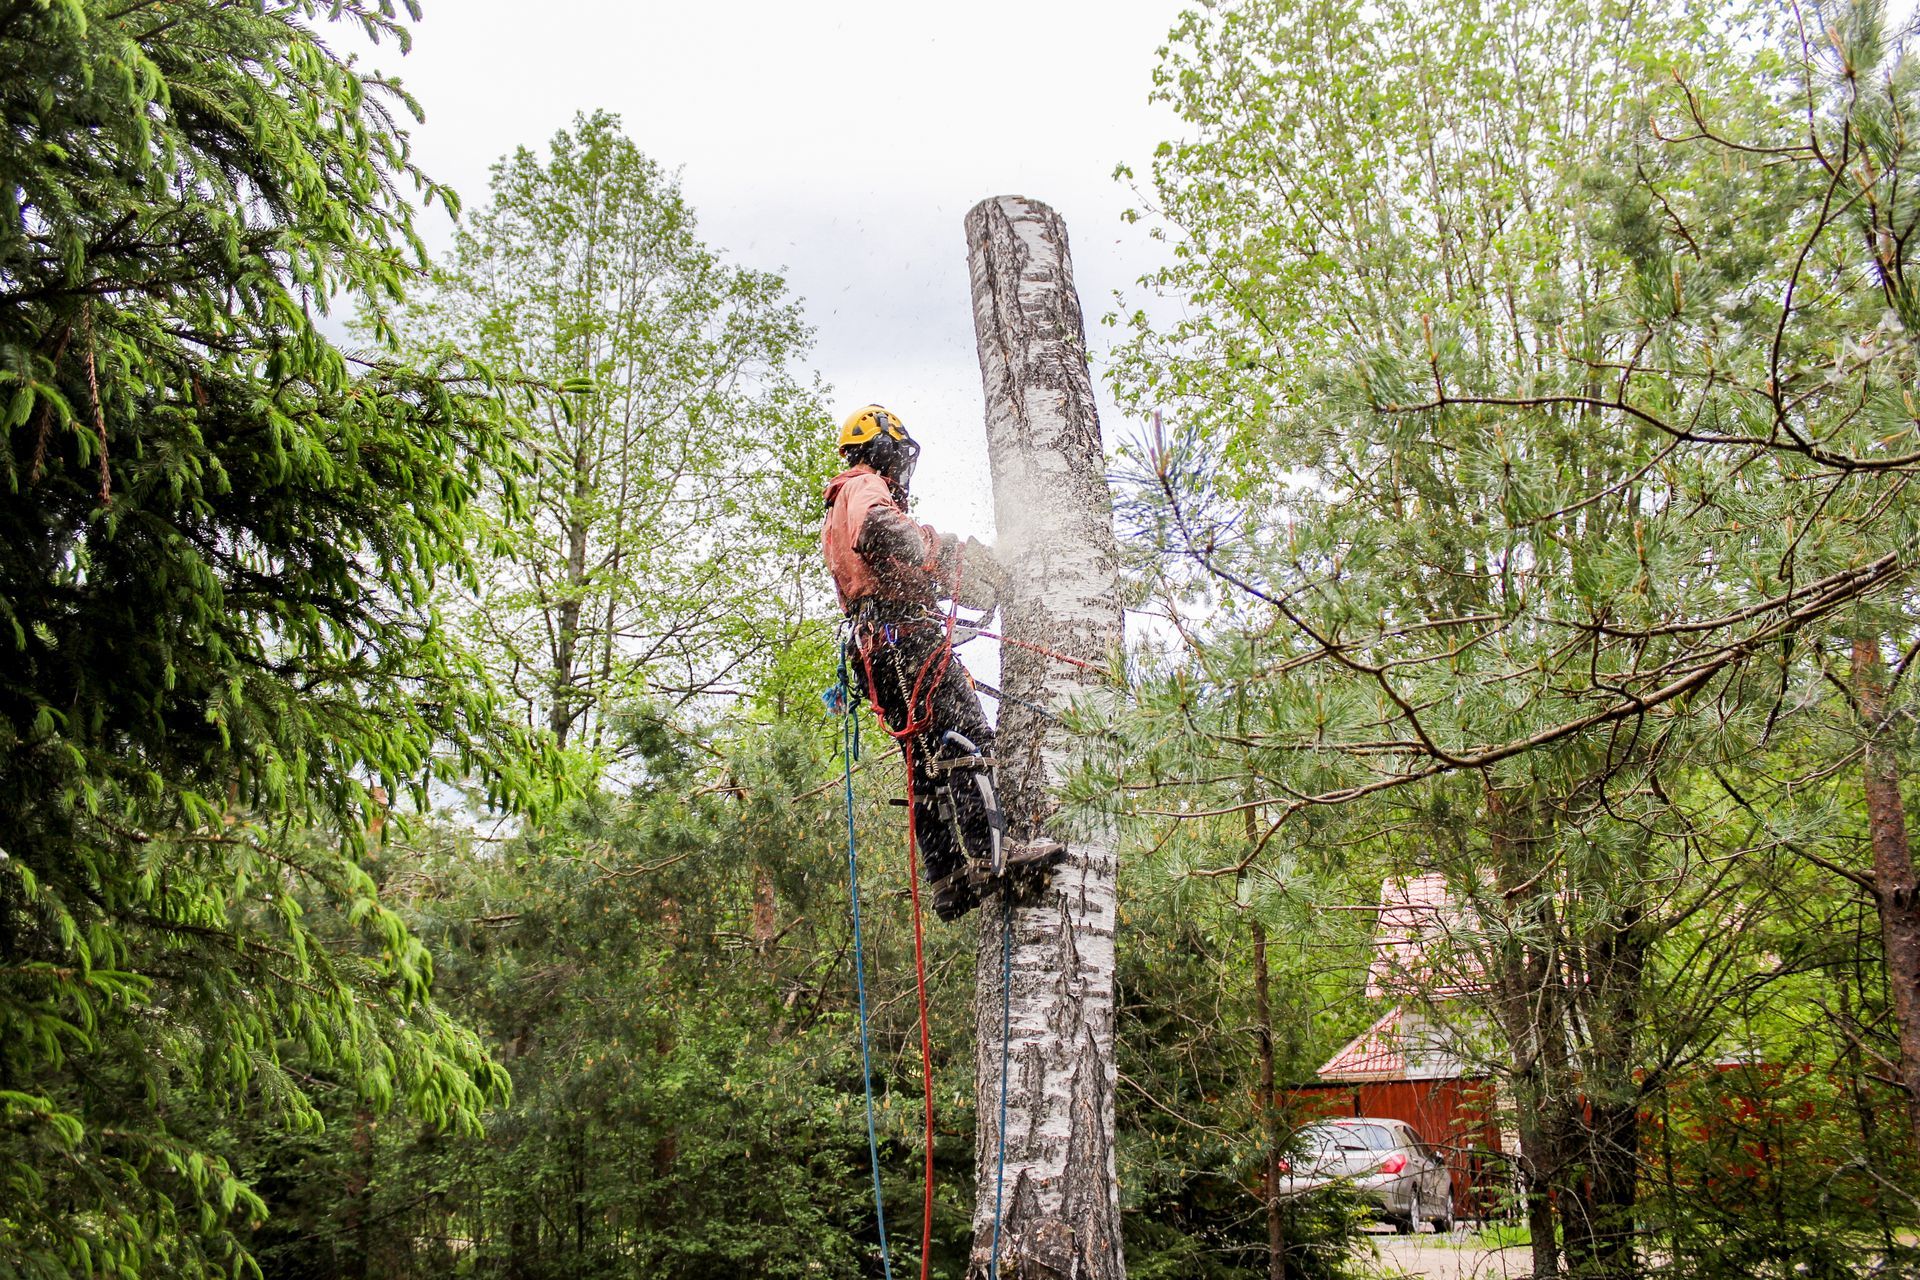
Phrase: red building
[1406,1065]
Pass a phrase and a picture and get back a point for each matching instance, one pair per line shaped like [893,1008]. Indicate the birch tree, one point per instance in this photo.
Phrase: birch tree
[1054,1210]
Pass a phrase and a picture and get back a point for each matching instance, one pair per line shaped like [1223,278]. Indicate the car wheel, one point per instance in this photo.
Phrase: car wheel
[1409,1225]
[1443,1221]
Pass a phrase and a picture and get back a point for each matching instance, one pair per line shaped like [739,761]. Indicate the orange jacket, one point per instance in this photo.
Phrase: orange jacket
[871,547]
[876,552]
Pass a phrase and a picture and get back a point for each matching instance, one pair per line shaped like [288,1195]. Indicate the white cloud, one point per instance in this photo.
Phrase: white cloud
[840,143]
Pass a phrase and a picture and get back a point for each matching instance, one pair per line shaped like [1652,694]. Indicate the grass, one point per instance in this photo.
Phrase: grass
[1503,1235]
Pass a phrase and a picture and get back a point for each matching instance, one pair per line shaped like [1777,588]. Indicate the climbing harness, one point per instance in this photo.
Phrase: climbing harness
[977,868]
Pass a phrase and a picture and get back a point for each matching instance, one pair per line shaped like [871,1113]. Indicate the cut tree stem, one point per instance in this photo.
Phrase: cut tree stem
[1060,1207]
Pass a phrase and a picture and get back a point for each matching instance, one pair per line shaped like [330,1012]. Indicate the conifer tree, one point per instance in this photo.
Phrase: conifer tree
[218,536]
[1542,421]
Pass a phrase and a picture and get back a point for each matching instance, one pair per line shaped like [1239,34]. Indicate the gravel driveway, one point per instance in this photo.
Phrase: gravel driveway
[1453,1256]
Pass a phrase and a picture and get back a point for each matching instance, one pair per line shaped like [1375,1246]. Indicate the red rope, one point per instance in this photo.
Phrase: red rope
[926,1047]
[904,736]
[1042,649]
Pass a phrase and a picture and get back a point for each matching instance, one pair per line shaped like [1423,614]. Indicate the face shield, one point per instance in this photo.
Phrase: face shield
[892,458]
[907,455]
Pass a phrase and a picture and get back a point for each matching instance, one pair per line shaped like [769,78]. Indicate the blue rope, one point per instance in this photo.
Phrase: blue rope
[849,751]
[1006,1037]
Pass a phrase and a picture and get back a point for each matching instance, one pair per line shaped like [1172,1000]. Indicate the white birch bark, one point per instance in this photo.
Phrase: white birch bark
[1061,1203]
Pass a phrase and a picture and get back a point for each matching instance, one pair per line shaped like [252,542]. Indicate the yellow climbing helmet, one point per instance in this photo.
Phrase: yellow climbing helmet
[866,425]
[879,440]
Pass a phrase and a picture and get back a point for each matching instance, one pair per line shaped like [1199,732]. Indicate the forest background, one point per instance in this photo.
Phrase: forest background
[422,845]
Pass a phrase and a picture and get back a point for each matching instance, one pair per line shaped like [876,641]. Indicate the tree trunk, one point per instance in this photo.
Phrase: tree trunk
[1893,879]
[563,713]
[1604,1195]
[1060,1207]
[1543,1155]
[523,1240]
[356,1224]
[356,1218]
[1269,1113]
[1528,1010]
[765,926]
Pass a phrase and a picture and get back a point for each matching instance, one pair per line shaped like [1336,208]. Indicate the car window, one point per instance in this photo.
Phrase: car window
[1340,1137]
[1377,1137]
[1325,1137]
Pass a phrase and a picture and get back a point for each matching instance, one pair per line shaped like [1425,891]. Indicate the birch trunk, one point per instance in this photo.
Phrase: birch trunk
[1060,1201]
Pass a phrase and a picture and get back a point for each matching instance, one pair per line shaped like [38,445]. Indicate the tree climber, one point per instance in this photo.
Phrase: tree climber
[890,573]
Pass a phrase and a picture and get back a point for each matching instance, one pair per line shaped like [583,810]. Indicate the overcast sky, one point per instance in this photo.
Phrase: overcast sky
[840,144]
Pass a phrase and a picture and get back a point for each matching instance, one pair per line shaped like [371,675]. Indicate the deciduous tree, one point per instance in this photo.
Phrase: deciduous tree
[660,550]
[1541,410]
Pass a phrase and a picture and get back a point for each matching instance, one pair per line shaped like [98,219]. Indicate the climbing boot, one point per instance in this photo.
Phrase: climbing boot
[1025,874]
[954,894]
[1032,856]
[1030,865]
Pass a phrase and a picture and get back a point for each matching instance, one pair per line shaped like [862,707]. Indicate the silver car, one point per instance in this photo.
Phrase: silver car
[1383,1160]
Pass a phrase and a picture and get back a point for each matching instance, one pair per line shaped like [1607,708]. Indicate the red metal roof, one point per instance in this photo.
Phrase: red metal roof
[1379,1051]
[1412,956]
[1402,1045]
